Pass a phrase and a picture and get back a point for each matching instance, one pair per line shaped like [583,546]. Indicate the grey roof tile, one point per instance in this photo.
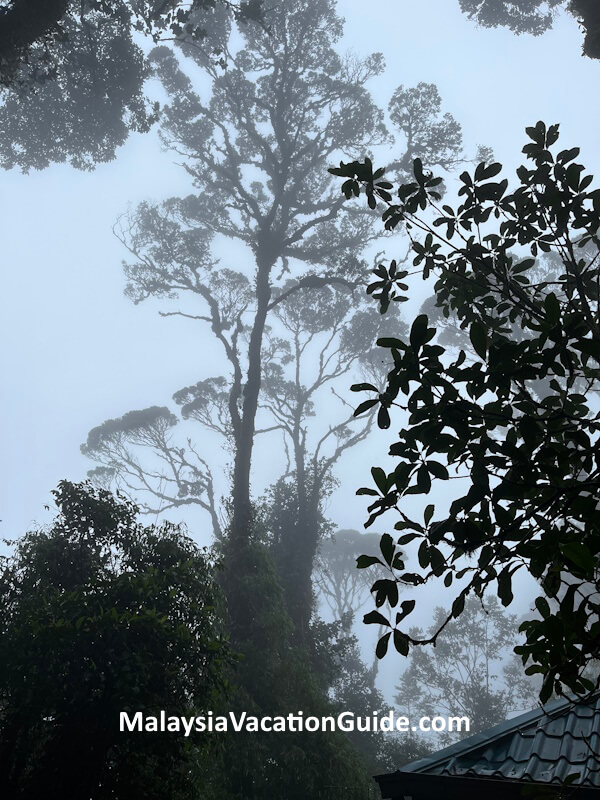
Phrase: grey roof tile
[542,746]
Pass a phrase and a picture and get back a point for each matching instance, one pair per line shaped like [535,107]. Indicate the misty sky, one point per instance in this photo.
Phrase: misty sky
[75,351]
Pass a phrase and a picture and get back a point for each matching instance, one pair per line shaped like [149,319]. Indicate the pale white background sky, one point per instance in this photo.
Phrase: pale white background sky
[75,351]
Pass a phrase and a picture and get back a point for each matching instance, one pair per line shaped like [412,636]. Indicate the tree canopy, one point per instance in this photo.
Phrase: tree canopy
[513,420]
[536,17]
[31,31]
[73,73]
[99,615]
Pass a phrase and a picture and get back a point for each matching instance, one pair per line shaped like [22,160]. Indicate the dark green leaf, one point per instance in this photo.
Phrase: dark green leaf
[382,645]
[401,642]
[362,562]
[365,407]
[579,554]
[428,513]
[387,547]
[418,332]
[380,478]
[375,618]
[552,308]
[479,339]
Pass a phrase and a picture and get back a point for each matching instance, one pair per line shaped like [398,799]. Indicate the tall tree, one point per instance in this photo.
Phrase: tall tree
[341,586]
[255,151]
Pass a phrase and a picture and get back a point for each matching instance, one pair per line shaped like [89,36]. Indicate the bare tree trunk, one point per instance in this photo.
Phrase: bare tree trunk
[298,578]
[239,558]
[240,530]
[302,545]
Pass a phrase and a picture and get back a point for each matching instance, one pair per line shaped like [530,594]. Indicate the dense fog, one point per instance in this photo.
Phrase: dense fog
[134,328]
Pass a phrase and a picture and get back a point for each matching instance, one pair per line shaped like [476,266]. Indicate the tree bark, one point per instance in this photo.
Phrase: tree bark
[302,555]
[242,517]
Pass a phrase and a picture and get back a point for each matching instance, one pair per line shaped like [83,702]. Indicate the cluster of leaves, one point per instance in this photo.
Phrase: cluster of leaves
[514,422]
[72,74]
[536,17]
[587,13]
[78,97]
[100,615]
[520,16]
[32,31]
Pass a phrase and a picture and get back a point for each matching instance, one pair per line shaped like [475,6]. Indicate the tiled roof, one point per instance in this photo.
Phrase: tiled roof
[542,746]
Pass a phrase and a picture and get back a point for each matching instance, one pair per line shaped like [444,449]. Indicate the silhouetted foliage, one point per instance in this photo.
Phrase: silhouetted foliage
[588,14]
[513,421]
[100,615]
[519,16]
[536,17]
[73,73]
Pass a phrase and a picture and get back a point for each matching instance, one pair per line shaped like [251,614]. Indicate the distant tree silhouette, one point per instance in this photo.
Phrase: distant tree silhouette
[289,327]
[341,586]
[472,671]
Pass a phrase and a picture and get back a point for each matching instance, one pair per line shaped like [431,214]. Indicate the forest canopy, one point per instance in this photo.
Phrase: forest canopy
[73,74]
